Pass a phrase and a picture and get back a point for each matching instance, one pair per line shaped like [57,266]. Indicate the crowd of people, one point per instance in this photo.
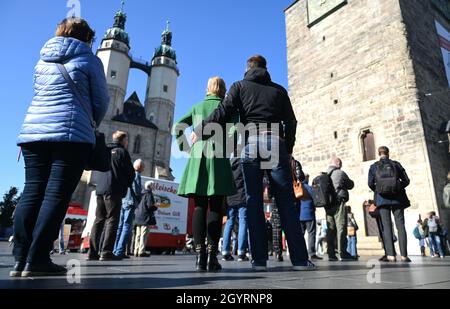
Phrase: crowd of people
[59,140]
[431,233]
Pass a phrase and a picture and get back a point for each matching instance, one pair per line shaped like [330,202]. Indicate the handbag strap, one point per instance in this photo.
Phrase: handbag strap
[293,168]
[74,88]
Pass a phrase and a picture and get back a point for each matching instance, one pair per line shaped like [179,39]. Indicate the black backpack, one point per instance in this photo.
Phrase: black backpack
[323,193]
[386,178]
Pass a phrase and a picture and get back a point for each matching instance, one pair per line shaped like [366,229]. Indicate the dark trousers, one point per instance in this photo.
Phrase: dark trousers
[310,227]
[206,224]
[52,172]
[277,234]
[280,177]
[388,238]
[107,217]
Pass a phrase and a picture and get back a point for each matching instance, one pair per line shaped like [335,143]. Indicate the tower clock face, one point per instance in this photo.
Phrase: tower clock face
[319,9]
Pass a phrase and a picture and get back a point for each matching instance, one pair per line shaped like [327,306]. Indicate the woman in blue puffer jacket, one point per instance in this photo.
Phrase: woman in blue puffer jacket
[56,139]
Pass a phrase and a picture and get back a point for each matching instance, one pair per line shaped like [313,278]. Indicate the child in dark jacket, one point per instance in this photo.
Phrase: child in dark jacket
[144,218]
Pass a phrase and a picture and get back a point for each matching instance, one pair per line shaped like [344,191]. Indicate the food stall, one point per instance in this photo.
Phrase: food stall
[173,218]
[75,221]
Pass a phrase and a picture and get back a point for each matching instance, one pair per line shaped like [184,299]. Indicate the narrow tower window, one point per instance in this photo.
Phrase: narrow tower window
[113,74]
[368,145]
[137,145]
[152,117]
[165,88]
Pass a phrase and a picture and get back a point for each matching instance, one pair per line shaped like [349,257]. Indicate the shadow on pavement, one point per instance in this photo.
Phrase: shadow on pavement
[118,283]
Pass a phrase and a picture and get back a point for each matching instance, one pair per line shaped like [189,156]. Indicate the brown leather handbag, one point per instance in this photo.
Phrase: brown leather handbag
[300,191]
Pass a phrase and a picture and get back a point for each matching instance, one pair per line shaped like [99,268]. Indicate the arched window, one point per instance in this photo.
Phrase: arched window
[137,145]
[368,145]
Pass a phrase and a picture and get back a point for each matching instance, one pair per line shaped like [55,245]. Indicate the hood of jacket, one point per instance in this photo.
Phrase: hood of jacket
[258,75]
[61,49]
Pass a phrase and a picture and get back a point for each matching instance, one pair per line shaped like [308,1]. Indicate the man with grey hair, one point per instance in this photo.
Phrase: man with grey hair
[335,215]
[129,204]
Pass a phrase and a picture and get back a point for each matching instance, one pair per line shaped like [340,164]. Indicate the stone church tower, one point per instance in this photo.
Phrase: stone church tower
[367,73]
[148,126]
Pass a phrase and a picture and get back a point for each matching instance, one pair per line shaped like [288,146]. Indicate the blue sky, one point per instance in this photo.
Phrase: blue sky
[211,38]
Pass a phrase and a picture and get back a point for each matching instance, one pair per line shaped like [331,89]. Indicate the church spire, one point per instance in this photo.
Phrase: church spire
[120,18]
[165,49]
[117,31]
[166,37]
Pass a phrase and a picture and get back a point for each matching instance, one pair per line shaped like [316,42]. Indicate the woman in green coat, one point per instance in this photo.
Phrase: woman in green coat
[207,177]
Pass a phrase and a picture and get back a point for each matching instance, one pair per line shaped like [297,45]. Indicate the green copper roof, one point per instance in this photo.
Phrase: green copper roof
[117,32]
[165,49]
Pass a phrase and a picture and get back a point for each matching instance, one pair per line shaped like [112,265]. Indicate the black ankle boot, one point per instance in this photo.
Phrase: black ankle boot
[202,258]
[213,263]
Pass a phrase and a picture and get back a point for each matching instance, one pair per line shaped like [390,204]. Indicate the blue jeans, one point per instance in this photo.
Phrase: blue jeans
[435,243]
[124,230]
[278,169]
[242,234]
[61,238]
[351,246]
[52,172]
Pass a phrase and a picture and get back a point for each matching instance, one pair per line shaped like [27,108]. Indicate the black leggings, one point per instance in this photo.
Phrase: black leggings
[207,225]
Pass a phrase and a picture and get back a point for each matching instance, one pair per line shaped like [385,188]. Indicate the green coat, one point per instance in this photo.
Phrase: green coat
[204,175]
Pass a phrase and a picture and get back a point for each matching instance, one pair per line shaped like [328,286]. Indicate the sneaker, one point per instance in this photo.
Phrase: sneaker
[259,268]
[383,259]
[124,256]
[333,259]
[17,270]
[43,270]
[346,257]
[316,257]
[145,254]
[110,257]
[308,267]
[93,258]
[392,259]
[243,258]
[405,259]
[280,257]
[62,253]
[227,258]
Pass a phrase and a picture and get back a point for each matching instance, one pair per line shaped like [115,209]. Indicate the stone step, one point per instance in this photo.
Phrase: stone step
[369,247]
[365,239]
[370,252]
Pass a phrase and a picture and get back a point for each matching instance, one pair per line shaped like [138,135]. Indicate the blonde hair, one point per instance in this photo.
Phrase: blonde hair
[216,86]
[119,136]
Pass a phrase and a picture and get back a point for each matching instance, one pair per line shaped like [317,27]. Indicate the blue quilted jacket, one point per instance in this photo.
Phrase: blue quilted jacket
[55,114]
